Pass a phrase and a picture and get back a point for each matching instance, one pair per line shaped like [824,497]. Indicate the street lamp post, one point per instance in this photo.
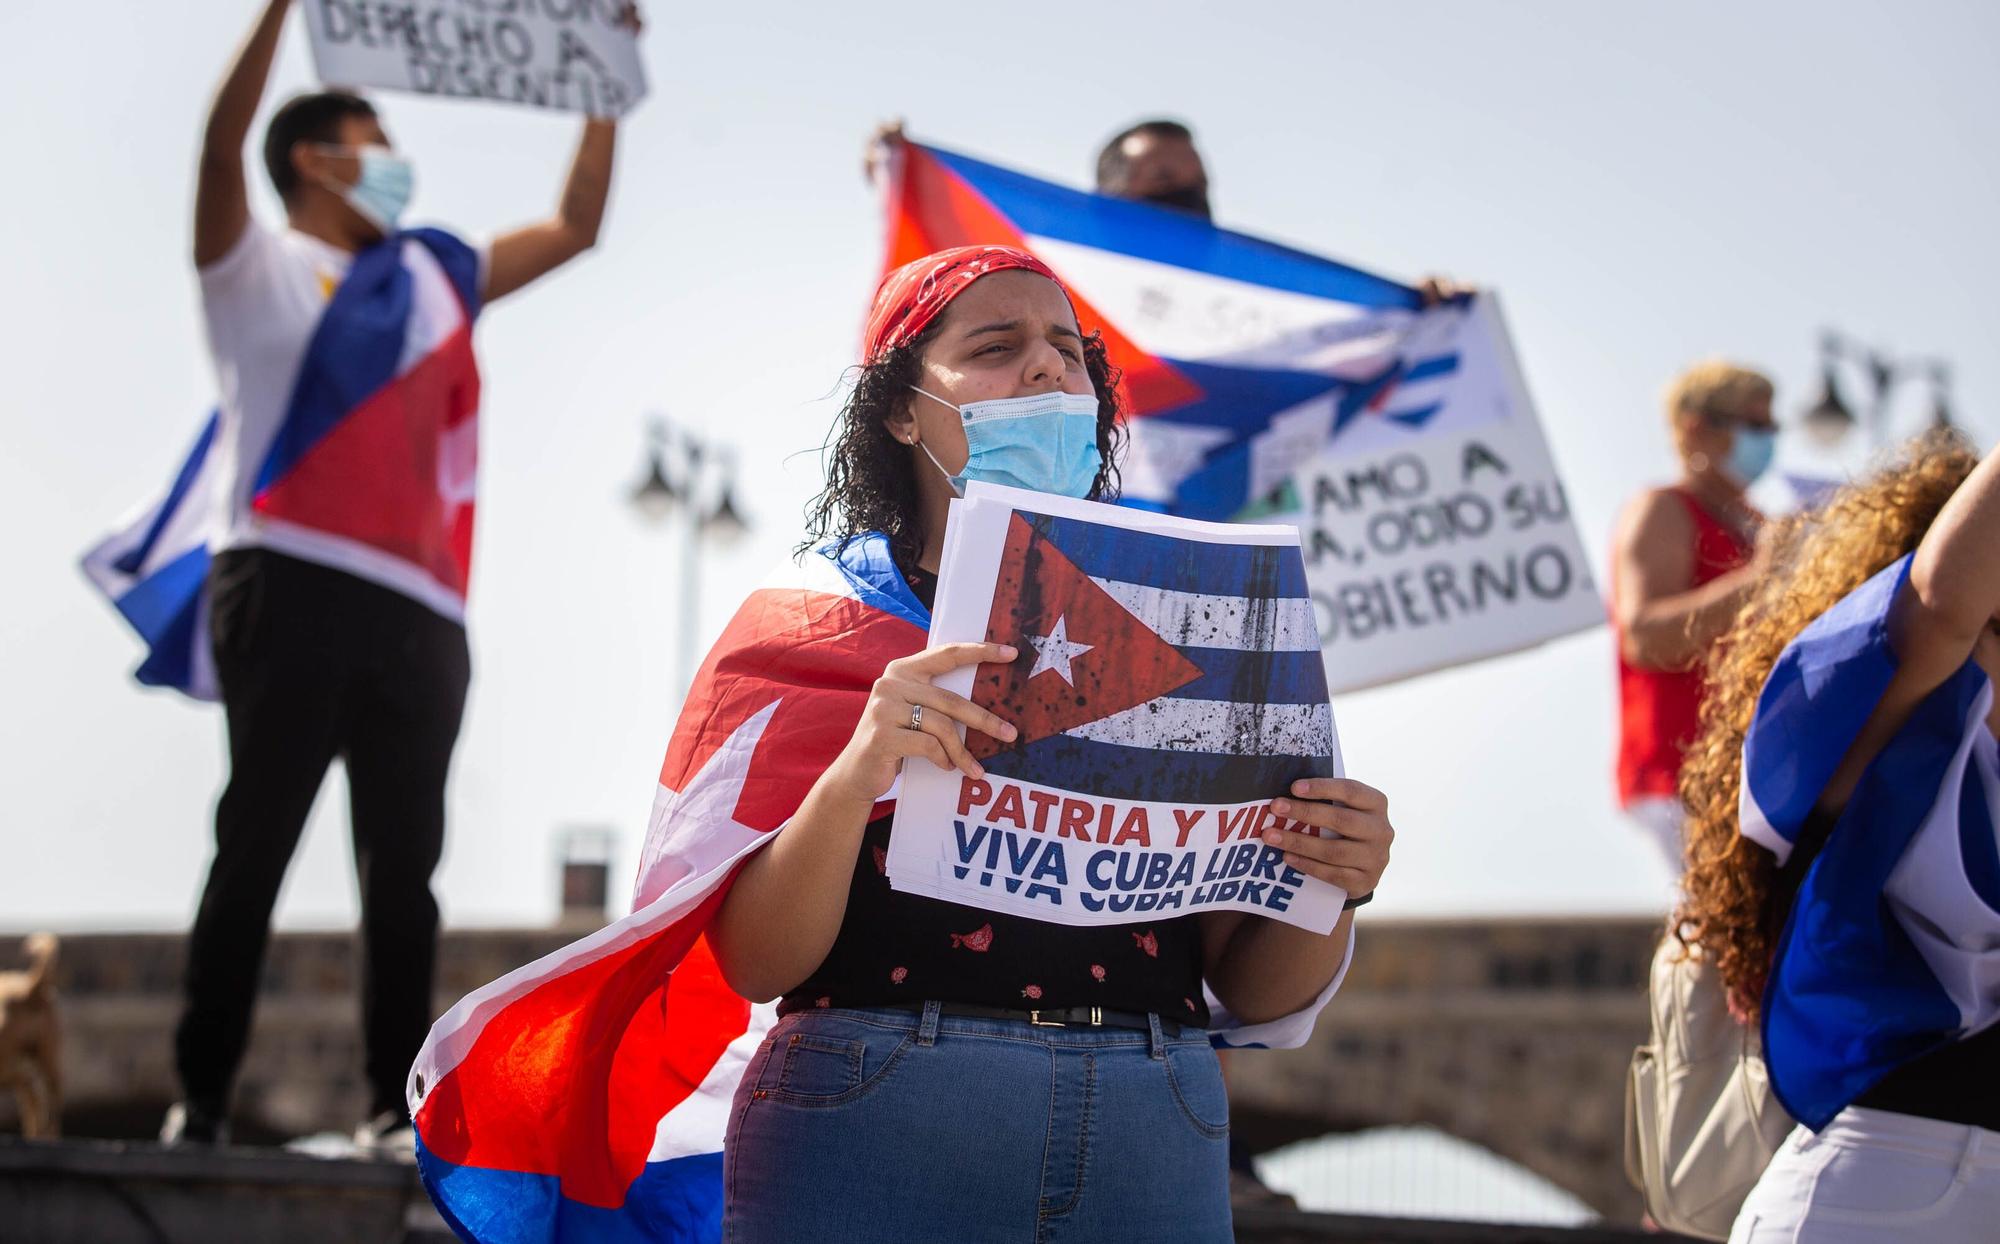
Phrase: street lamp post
[1830,419]
[691,482]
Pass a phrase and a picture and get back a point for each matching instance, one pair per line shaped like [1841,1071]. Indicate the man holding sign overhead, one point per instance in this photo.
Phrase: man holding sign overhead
[344,453]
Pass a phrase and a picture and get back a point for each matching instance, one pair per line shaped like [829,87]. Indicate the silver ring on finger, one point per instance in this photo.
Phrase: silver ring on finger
[916,716]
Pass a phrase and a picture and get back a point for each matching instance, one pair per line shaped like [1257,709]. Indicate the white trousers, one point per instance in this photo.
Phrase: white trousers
[1874,1175]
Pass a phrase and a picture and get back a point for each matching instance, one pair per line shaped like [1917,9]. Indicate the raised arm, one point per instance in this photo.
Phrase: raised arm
[1664,622]
[1934,625]
[525,255]
[221,200]
[1954,588]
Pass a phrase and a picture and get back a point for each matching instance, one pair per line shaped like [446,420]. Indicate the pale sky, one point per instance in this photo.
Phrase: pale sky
[1644,184]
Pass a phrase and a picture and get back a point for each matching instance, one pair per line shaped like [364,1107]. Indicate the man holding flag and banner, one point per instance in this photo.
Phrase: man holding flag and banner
[334,489]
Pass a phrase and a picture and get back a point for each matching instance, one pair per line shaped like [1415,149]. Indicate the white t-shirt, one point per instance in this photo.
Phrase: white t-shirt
[260,304]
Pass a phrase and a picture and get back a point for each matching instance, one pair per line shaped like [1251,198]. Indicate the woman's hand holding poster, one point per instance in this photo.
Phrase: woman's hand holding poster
[1170,685]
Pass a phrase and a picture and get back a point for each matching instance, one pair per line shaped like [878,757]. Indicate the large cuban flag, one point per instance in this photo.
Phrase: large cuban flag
[1241,358]
[370,471]
[584,1096]
[1153,667]
[154,569]
[1892,949]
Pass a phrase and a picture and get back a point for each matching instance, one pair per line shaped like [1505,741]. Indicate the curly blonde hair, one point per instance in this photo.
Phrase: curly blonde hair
[1727,914]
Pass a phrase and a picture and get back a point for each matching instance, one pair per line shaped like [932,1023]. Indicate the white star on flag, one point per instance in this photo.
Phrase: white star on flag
[1054,651]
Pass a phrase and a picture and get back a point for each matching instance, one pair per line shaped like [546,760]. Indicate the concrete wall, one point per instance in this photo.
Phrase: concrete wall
[1513,1034]
[120,997]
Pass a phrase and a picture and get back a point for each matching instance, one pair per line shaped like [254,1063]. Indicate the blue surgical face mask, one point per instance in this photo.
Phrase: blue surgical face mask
[387,182]
[1044,442]
[1750,453]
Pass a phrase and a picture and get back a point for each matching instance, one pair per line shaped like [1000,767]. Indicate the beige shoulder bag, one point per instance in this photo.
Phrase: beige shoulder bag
[1701,1123]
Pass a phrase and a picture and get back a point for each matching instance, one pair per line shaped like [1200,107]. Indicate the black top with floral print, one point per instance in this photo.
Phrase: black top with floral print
[895,947]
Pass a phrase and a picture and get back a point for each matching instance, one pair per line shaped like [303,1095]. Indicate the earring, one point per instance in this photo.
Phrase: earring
[1698,461]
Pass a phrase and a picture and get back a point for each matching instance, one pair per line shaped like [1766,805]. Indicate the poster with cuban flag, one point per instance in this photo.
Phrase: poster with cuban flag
[1265,383]
[1169,686]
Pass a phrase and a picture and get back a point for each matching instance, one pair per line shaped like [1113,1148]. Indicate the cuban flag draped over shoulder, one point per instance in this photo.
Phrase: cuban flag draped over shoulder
[1241,358]
[584,1096]
[154,571]
[371,469]
[1892,949]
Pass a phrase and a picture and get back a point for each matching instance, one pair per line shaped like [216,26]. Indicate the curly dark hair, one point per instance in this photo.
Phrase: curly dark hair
[871,481]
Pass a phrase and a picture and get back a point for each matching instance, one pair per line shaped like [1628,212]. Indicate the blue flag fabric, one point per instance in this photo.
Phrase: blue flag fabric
[1892,948]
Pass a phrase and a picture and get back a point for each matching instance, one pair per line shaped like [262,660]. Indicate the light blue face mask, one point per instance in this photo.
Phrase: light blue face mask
[1750,453]
[387,182]
[1044,442]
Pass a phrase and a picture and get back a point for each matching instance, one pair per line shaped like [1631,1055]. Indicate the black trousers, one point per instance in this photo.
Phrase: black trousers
[315,663]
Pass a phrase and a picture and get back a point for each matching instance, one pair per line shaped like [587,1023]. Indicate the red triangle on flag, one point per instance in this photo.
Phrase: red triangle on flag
[1083,656]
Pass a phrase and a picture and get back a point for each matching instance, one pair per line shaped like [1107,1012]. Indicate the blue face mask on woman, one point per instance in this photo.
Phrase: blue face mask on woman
[1750,453]
[1044,442]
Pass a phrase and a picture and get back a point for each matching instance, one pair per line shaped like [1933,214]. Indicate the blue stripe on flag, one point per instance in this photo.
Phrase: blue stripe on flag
[164,607]
[1259,572]
[1115,771]
[135,557]
[1431,368]
[868,566]
[353,352]
[1243,400]
[1164,236]
[1219,489]
[1254,677]
[157,602]
[1822,690]
[678,1201]
[1418,417]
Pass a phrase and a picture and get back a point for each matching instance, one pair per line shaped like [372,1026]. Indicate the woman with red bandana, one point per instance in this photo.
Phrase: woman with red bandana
[907,1093]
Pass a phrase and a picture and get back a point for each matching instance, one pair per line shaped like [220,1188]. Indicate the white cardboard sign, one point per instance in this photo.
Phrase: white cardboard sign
[1433,550]
[566,55]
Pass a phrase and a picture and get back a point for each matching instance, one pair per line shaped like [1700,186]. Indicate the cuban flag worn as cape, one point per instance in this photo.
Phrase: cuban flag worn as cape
[1892,948]
[371,469]
[1242,358]
[583,1097]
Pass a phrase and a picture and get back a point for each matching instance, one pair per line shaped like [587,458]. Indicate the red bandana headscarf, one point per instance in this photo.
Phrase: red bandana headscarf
[915,294]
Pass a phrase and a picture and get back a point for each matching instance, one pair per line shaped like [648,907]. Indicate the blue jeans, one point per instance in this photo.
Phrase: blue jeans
[883,1125]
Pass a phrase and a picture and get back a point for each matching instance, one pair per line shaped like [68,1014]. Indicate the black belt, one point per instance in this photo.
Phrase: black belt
[1056,1017]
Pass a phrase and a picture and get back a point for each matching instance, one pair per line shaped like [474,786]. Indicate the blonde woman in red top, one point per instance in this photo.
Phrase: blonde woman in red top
[1683,561]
